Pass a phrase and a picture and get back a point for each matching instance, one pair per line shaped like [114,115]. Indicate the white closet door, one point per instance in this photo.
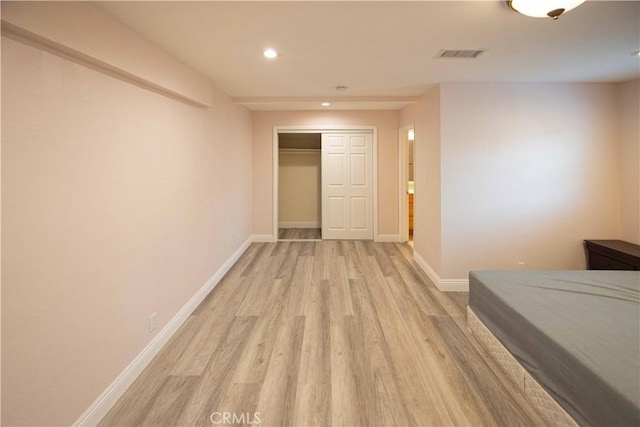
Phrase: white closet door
[347,186]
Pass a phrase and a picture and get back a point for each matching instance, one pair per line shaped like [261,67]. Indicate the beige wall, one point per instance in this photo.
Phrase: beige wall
[105,42]
[387,123]
[425,116]
[117,202]
[629,104]
[299,187]
[526,173]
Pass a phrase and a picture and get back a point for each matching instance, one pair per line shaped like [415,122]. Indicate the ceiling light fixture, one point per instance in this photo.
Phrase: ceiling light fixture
[636,53]
[543,8]
[325,104]
[270,53]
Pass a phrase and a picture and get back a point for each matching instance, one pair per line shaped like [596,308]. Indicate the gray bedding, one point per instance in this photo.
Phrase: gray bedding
[576,332]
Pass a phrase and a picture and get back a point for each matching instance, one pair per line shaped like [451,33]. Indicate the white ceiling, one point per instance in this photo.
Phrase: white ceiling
[383,51]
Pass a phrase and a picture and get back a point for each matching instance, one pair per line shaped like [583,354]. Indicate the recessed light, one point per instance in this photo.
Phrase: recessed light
[270,53]
[325,104]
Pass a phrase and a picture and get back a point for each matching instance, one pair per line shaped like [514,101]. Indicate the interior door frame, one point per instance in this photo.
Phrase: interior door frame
[323,129]
[403,178]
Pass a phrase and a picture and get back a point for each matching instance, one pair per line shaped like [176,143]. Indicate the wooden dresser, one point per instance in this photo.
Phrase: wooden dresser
[612,255]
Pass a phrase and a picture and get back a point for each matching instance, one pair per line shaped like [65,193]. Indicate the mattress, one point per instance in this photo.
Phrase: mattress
[576,332]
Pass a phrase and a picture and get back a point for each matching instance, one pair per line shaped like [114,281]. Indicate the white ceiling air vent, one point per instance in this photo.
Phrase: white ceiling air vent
[460,53]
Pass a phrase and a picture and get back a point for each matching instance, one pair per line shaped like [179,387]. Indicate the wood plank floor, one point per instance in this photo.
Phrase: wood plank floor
[299,234]
[324,333]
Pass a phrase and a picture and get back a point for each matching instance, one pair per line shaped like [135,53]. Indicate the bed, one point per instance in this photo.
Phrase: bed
[569,339]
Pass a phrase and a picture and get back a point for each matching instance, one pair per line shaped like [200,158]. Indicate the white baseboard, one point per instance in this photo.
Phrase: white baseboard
[388,238]
[445,285]
[262,238]
[299,224]
[123,381]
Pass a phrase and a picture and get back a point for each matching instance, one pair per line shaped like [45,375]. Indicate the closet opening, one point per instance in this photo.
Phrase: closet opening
[342,203]
[299,186]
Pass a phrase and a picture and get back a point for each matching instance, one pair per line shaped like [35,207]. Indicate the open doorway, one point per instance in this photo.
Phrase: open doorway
[299,186]
[410,183]
[406,208]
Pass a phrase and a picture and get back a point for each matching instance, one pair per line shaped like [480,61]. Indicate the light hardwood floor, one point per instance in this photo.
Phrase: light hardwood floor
[325,333]
[299,234]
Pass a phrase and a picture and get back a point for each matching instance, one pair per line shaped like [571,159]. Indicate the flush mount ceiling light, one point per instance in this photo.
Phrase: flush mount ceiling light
[270,53]
[544,8]
[325,104]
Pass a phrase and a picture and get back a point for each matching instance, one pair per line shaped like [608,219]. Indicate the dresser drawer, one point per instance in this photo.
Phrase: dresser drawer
[602,262]
[612,255]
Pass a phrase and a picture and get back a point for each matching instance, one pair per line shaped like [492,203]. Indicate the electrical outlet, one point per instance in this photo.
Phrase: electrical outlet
[521,265]
[153,321]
